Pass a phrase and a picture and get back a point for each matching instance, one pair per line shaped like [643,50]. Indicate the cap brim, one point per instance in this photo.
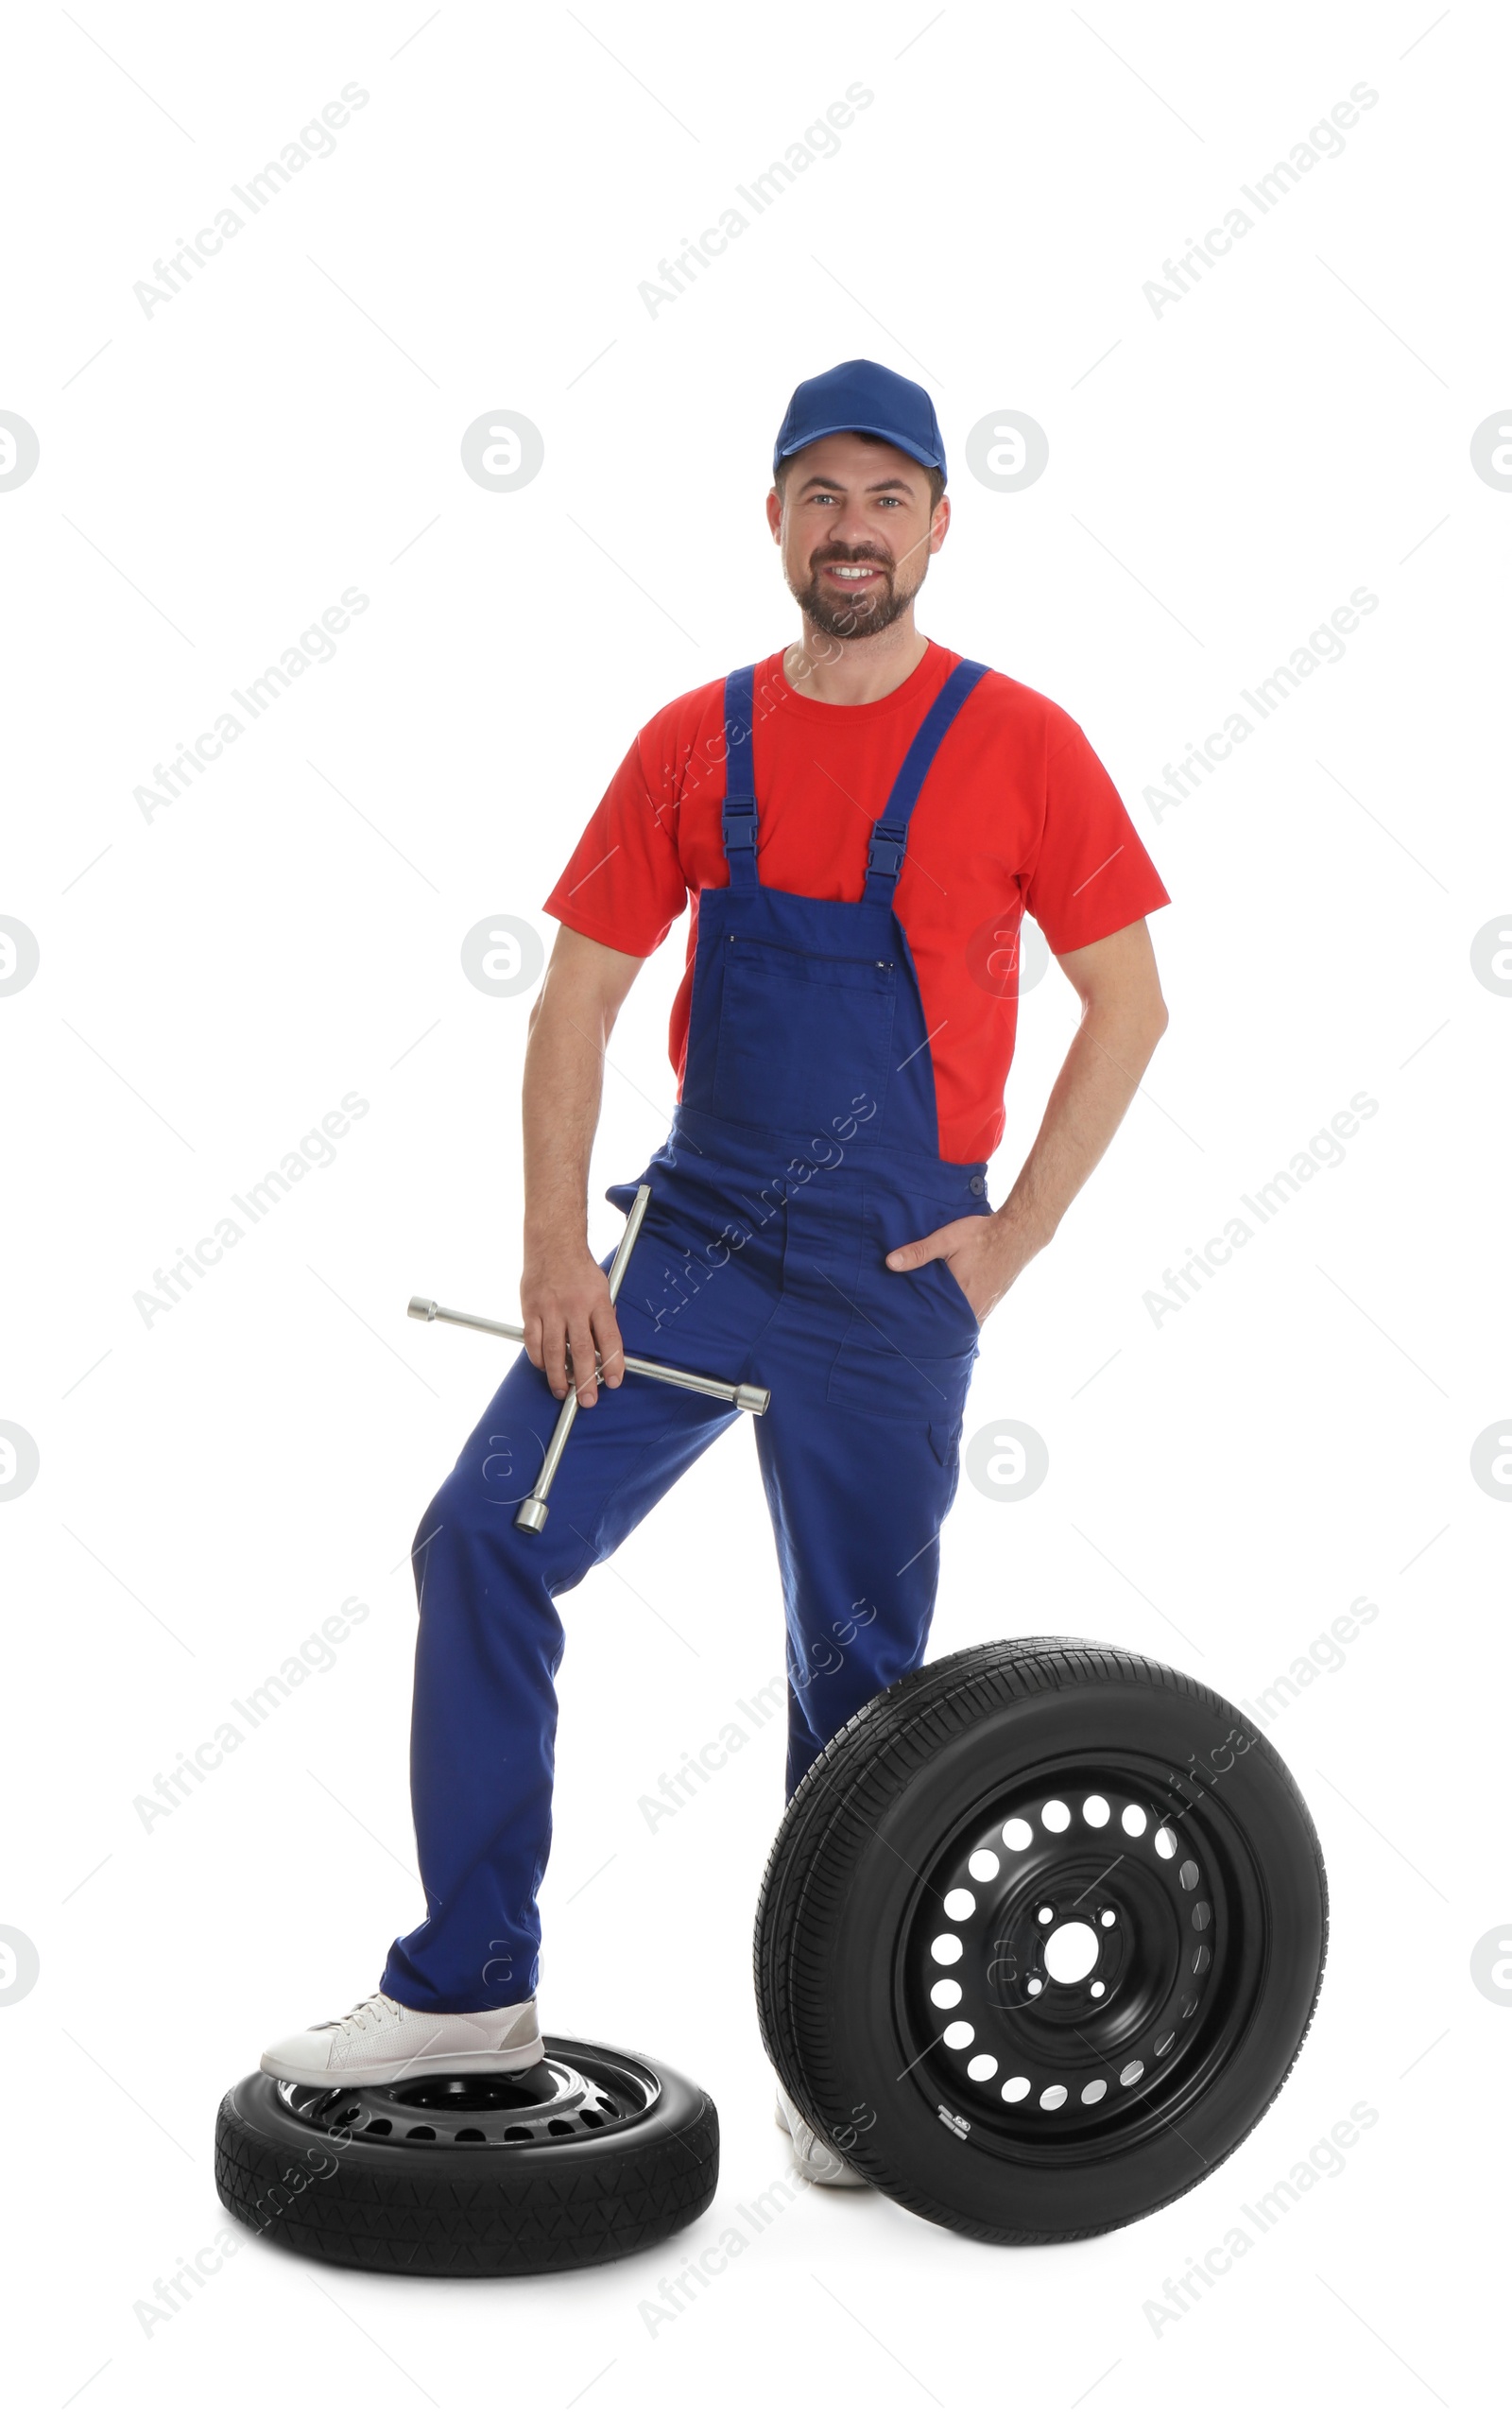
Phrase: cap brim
[855,428]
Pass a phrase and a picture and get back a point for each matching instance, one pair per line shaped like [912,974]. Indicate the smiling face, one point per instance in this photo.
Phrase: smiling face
[856,522]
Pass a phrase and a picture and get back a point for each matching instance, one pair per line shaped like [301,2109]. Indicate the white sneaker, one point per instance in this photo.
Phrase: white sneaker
[812,2156]
[379,2042]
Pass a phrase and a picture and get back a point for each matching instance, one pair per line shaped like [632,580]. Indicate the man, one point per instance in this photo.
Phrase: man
[858,823]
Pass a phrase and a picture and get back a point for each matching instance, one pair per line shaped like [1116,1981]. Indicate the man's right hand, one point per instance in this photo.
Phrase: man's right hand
[566,1310]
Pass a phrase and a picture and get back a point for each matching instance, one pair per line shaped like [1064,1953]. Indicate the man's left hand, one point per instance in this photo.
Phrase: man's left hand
[984,1255]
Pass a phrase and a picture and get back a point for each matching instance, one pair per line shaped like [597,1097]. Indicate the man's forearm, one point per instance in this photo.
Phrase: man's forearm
[1098,1079]
[563,1294]
[1123,1018]
[561,1095]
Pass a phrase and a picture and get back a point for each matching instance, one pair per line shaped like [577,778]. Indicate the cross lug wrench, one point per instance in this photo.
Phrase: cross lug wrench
[533,1511]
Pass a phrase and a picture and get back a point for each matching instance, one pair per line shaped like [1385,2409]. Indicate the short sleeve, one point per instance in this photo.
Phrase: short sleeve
[624,884]
[1090,873]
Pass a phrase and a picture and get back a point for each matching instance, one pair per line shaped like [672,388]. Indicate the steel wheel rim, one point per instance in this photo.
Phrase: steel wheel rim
[586,2097]
[1091,2070]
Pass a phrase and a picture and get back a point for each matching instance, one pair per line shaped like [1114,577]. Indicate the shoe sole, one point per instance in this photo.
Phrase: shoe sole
[850,2182]
[403,2070]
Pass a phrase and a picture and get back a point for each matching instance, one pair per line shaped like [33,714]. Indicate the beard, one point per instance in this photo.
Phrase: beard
[882,605]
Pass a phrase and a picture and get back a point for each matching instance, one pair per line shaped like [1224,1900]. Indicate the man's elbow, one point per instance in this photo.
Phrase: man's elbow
[1138,1015]
[1135,1022]
[1154,1016]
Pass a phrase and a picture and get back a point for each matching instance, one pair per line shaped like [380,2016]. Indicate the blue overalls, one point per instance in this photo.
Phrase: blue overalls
[805,1148]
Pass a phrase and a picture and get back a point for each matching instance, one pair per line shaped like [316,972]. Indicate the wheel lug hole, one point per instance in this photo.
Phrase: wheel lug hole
[1107,1917]
[1047,1915]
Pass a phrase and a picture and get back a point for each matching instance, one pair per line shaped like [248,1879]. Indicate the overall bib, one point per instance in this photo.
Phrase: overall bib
[804,1148]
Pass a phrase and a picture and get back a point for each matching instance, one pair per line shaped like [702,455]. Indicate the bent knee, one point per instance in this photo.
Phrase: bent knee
[469,1532]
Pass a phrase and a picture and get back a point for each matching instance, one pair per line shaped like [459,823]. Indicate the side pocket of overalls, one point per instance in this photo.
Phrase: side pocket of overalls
[909,1348]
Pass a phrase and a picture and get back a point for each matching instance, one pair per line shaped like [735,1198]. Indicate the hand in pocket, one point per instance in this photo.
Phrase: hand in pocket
[981,1256]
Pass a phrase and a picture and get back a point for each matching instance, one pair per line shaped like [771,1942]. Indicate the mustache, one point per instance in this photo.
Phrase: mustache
[852,554]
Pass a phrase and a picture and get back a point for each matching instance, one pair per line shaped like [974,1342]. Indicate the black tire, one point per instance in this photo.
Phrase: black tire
[592,2154]
[1210,1931]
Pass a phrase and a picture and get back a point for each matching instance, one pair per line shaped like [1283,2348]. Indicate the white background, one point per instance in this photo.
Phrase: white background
[211,981]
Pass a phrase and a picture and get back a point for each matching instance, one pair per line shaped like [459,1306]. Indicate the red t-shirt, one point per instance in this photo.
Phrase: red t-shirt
[1015,813]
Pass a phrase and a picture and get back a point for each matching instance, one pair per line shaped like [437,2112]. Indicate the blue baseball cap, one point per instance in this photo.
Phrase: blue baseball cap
[873,402]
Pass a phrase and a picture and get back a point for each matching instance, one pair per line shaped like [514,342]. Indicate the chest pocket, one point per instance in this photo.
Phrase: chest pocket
[803,1039]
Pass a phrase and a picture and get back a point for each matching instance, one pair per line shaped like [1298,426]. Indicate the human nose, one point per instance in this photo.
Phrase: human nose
[852,529]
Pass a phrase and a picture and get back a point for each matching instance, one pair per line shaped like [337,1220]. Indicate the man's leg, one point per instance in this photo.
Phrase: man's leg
[857,1502]
[482,1744]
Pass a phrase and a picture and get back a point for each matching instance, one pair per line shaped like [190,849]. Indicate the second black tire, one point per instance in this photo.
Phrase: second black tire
[594,2153]
[1039,1938]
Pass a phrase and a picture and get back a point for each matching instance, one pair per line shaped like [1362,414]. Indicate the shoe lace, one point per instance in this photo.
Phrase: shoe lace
[377,2005]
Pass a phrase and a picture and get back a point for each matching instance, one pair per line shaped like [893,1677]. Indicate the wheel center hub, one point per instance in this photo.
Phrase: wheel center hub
[1071,1952]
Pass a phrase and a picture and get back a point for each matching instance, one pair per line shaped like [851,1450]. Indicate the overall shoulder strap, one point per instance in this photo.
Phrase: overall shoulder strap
[738,825]
[889,833]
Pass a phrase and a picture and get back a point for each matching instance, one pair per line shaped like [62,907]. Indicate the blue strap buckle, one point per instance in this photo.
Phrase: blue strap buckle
[888,842]
[738,823]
